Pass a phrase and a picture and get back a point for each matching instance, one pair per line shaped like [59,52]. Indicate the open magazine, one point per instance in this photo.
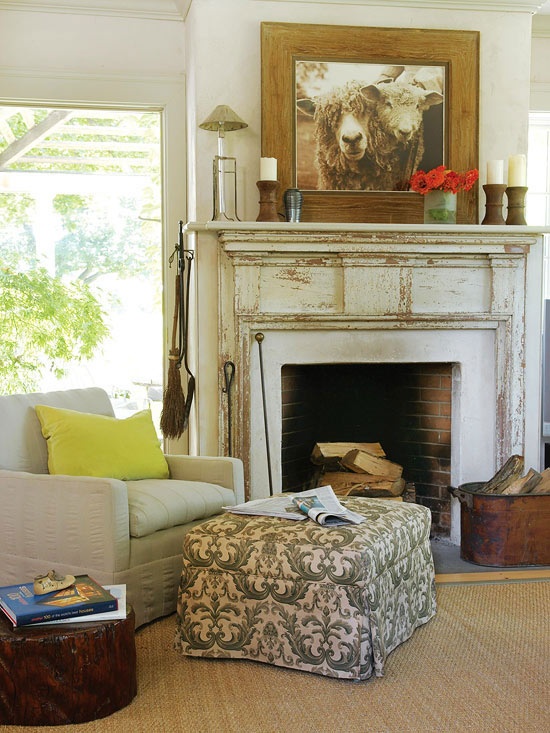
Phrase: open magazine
[320,504]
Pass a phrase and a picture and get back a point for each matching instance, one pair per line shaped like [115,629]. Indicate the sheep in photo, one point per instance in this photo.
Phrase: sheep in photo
[427,77]
[369,138]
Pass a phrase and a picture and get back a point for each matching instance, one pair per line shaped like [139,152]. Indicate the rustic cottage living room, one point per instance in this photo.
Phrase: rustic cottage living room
[321,487]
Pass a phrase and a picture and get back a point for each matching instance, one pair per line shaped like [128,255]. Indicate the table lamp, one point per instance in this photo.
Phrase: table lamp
[223,120]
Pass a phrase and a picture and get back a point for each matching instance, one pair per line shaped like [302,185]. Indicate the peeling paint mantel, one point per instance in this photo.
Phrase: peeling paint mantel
[283,227]
[370,293]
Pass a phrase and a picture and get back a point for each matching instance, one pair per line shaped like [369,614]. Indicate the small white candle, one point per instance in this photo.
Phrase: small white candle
[517,170]
[268,169]
[495,171]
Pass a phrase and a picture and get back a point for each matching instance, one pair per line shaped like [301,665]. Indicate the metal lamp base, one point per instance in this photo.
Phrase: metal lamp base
[224,170]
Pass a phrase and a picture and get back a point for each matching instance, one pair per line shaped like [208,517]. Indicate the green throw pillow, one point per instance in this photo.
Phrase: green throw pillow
[81,444]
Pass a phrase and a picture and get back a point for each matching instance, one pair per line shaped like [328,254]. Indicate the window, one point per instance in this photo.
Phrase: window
[80,194]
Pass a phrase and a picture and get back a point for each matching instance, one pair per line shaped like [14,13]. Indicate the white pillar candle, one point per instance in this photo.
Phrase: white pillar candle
[268,169]
[495,171]
[517,170]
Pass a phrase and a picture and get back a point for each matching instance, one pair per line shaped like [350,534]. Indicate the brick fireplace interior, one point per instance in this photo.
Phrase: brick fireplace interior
[405,407]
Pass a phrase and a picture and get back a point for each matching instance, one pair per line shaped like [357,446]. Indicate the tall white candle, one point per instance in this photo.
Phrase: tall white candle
[268,169]
[517,170]
[495,171]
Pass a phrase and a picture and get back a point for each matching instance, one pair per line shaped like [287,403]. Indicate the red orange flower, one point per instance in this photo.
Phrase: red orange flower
[443,179]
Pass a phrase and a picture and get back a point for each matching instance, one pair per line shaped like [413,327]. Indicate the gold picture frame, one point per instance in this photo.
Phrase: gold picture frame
[283,44]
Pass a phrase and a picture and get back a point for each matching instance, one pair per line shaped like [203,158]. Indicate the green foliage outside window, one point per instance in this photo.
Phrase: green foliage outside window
[45,323]
[53,313]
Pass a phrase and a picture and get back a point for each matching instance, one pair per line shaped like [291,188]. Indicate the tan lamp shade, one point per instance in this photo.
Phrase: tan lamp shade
[223,118]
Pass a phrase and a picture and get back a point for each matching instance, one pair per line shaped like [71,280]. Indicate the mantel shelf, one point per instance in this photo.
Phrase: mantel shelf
[286,227]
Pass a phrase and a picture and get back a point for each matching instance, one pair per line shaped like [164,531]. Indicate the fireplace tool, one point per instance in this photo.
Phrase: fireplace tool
[229,373]
[176,407]
[259,339]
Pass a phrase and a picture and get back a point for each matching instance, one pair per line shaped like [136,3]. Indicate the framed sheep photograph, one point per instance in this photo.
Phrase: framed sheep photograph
[351,113]
[367,127]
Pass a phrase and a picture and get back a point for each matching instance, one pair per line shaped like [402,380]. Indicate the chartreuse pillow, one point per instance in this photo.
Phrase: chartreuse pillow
[81,444]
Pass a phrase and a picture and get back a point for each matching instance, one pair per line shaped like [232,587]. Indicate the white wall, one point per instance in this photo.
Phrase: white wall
[540,65]
[223,66]
[90,44]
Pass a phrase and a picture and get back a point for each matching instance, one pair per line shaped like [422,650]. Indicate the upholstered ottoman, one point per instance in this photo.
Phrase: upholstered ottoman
[330,600]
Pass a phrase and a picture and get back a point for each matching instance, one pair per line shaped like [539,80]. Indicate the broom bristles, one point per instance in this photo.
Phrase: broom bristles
[173,418]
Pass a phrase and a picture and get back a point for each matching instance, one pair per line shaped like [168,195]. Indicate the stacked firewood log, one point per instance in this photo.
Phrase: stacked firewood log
[360,469]
[511,479]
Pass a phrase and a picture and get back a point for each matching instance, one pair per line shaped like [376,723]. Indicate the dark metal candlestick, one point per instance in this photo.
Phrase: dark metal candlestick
[268,200]
[494,193]
[516,204]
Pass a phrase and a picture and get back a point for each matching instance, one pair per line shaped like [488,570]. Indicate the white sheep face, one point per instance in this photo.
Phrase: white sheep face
[351,136]
[399,108]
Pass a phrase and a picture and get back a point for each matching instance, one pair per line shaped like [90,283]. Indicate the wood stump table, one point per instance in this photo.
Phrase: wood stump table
[66,673]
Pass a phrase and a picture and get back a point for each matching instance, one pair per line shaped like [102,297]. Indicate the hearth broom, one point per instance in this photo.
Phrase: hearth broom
[176,407]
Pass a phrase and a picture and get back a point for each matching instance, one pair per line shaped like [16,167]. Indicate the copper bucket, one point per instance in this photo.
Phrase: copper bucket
[503,530]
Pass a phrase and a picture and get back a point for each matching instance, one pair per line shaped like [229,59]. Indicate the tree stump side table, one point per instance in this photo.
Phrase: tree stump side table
[66,673]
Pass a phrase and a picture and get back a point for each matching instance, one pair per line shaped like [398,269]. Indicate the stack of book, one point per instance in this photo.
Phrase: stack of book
[84,600]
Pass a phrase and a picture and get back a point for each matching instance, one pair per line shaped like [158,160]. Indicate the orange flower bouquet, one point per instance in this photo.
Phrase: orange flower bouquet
[443,179]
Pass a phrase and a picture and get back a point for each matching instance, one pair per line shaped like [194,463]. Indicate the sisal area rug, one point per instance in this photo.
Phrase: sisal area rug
[482,664]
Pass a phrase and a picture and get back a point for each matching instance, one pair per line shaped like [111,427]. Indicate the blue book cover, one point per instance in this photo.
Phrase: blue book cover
[85,596]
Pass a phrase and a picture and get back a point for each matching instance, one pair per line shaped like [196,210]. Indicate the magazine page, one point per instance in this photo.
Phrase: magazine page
[323,497]
[320,504]
[323,507]
[275,506]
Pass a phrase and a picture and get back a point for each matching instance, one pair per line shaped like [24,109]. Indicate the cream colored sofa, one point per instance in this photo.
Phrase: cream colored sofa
[116,531]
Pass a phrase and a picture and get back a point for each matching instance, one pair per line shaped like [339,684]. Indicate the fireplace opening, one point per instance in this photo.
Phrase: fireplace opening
[405,407]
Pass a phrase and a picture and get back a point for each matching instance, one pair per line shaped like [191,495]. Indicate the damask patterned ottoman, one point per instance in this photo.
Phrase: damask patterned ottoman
[330,600]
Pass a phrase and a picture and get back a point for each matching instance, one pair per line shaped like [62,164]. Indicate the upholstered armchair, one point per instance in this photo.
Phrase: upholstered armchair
[117,531]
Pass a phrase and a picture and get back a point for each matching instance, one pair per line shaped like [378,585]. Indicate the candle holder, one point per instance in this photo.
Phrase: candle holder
[516,205]
[494,193]
[268,200]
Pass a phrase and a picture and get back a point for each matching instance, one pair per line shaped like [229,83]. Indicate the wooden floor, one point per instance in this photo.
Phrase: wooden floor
[493,576]
[451,568]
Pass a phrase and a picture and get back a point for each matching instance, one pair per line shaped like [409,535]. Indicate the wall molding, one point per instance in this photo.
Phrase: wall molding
[175,10]
[517,6]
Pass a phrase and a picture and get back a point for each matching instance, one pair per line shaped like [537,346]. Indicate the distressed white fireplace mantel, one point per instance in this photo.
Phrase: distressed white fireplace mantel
[369,293]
